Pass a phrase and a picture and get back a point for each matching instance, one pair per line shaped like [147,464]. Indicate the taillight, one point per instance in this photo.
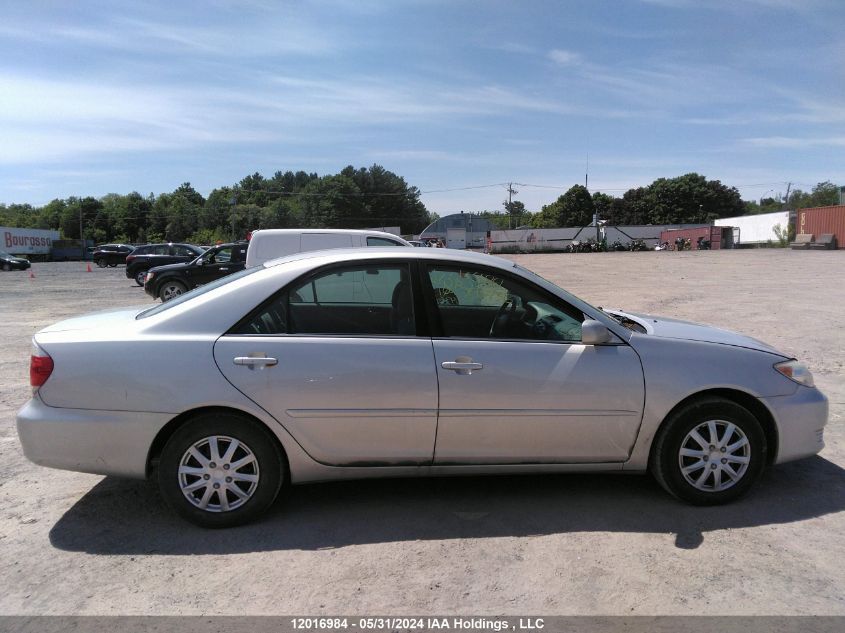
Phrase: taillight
[40,366]
[130,258]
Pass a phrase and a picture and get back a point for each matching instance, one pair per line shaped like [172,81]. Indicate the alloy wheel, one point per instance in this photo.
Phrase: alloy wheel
[714,455]
[218,474]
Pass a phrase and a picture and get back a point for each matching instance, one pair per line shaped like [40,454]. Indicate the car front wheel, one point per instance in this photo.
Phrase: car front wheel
[171,289]
[101,263]
[709,452]
[221,470]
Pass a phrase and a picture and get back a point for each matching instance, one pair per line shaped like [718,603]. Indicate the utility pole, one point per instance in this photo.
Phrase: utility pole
[786,200]
[511,192]
[81,236]
[587,174]
[232,202]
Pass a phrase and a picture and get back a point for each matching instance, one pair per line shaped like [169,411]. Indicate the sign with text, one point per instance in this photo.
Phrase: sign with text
[26,241]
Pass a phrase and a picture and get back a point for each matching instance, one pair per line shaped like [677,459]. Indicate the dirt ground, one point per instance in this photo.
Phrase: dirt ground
[72,543]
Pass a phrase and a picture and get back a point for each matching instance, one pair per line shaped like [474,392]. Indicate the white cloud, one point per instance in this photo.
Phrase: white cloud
[794,142]
[272,36]
[564,58]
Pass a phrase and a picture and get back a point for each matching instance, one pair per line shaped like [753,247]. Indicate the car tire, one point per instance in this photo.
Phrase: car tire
[101,263]
[7,267]
[188,472]
[140,276]
[709,452]
[171,289]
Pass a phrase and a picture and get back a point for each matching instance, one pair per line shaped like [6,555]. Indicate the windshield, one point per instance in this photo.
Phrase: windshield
[4,254]
[196,292]
[590,310]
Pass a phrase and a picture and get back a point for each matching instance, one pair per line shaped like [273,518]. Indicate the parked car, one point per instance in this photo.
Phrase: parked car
[400,362]
[139,261]
[167,282]
[10,262]
[268,244]
[111,254]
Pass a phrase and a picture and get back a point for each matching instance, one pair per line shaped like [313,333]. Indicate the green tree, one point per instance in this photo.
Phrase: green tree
[573,208]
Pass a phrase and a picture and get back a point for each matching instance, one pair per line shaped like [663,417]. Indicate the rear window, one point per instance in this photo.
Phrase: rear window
[196,292]
[382,241]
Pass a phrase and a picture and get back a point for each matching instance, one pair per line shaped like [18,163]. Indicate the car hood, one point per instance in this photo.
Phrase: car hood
[176,266]
[674,328]
[102,320]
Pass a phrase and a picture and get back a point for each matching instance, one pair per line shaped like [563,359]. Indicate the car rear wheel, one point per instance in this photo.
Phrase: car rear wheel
[101,263]
[171,289]
[220,470]
[709,452]
[140,276]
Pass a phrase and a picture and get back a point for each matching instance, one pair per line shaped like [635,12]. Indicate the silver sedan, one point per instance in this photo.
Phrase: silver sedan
[372,363]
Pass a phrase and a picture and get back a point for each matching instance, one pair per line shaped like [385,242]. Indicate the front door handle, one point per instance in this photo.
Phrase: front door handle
[462,365]
[255,362]
[224,269]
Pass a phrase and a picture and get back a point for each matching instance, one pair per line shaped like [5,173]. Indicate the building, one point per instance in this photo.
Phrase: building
[460,230]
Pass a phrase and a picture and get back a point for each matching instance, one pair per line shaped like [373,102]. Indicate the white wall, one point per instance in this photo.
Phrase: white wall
[26,241]
[756,228]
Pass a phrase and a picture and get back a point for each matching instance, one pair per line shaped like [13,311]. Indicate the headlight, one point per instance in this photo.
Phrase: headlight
[796,371]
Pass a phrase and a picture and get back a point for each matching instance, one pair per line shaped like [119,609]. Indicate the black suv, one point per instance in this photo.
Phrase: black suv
[166,282]
[111,254]
[139,261]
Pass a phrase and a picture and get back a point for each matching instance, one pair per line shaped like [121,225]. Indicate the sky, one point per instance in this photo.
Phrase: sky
[456,96]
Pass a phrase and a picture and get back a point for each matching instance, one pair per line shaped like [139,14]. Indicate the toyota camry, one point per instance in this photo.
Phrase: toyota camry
[374,362]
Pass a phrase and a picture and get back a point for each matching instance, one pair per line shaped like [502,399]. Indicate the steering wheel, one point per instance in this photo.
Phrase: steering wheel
[510,310]
[445,297]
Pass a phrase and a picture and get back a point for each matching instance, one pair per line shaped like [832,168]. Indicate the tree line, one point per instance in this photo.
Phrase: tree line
[687,199]
[353,198]
[372,197]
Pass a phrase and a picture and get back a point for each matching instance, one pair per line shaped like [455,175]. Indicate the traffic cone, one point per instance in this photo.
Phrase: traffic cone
[31,274]
[89,269]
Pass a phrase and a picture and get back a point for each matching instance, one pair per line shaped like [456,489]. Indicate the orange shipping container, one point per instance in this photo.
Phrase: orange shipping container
[820,220]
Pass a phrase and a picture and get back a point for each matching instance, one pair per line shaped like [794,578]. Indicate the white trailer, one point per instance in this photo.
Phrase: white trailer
[756,229]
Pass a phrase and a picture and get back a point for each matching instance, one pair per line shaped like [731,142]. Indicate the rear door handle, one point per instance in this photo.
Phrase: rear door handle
[461,366]
[255,362]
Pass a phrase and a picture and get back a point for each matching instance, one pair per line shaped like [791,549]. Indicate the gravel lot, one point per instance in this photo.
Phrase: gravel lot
[80,544]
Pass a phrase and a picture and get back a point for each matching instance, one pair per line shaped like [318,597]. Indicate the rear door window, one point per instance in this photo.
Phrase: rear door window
[372,300]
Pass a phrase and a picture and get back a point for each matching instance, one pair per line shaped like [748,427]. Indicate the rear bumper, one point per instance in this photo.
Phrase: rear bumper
[83,440]
[800,418]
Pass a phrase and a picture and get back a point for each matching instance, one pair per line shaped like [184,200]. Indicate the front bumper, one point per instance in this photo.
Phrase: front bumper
[800,419]
[88,441]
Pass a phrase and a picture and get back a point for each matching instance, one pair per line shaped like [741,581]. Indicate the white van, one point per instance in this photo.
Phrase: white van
[267,244]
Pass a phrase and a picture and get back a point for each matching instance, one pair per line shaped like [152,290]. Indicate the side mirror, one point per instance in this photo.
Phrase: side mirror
[594,333]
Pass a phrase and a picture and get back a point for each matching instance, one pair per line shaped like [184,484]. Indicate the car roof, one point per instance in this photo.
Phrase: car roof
[342,231]
[393,252]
